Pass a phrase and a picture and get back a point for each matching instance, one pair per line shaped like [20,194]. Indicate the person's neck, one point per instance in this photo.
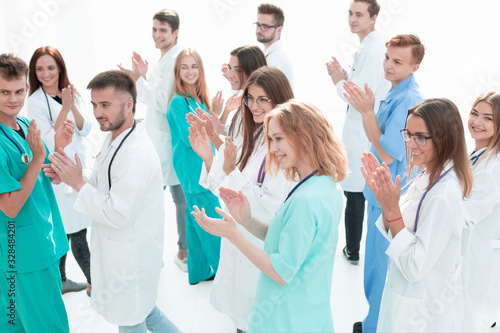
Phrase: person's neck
[365,33]
[165,50]
[191,90]
[267,45]
[9,121]
[305,170]
[480,144]
[128,124]
[52,90]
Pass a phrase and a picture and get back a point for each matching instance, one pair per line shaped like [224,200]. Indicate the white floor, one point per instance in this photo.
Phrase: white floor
[189,306]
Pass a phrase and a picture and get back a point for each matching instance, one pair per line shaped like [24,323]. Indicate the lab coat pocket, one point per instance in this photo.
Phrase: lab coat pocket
[399,313]
[492,302]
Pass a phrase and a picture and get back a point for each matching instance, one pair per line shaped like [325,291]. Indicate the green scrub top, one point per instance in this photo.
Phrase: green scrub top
[301,241]
[36,234]
[187,164]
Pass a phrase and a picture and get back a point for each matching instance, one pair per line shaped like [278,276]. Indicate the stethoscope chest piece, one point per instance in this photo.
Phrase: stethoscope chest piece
[25,158]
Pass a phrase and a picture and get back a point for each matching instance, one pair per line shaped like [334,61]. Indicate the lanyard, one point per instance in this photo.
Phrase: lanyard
[474,159]
[425,193]
[114,154]
[25,158]
[301,182]
[262,170]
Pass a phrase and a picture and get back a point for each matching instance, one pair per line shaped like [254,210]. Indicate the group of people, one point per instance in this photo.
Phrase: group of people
[256,181]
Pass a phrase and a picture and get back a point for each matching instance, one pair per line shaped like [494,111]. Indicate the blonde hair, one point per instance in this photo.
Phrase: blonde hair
[201,88]
[311,135]
[493,99]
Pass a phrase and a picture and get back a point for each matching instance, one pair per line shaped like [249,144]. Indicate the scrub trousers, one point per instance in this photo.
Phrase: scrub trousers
[204,248]
[39,307]
[375,268]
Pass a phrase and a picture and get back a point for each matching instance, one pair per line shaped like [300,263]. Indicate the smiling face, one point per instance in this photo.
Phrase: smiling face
[235,74]
[112,110]
[281,147]
[360,21]
[47,72]
[258,105]
[481,124]
[12,97]
[163,36]
[422,156]
[399,64]
[189,71]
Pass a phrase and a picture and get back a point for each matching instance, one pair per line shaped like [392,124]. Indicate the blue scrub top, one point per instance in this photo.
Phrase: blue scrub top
[391,118]
[301,241]
[39,236]
[187,164]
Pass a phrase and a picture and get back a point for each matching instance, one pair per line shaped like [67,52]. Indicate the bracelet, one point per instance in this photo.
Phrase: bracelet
[389,221]
[211,135]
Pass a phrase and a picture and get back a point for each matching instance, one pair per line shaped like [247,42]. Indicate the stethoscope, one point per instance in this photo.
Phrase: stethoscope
[189,105]
[474,159]
[116,151]
[25,158]
[48,104]
[422,199]
[301,182]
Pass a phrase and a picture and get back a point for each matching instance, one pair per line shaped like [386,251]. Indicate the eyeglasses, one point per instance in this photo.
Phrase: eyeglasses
[261,101]
[420,140]
[264,27]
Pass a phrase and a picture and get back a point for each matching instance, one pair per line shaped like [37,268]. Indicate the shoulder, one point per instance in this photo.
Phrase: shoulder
[36,96]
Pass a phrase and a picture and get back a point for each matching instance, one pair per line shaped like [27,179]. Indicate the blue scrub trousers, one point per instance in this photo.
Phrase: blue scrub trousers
[204,248]
[375,268]
[39,306]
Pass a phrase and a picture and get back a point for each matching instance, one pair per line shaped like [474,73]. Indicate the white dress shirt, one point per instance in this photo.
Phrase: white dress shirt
[276,56]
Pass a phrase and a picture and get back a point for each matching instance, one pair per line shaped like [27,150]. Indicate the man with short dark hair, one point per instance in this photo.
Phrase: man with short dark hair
[32,236]
[402,58]
[270,20]
[366,69]
[124,197]
[154,90]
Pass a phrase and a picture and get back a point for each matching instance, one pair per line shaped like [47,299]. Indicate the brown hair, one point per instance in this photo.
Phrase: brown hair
[279,16]
[12,67]
[493,99]
[312,136]
[169,16]
[443,121]
[274,82]
[201,88]
[250,58]
[373,6]
[417,48]
[54,53]
[120,81]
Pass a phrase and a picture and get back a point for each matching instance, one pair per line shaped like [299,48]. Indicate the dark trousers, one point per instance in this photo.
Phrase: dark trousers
[80,249]
[354,213]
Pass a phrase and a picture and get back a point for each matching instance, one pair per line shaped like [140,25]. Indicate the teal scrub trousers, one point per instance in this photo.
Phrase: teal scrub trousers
[39,307]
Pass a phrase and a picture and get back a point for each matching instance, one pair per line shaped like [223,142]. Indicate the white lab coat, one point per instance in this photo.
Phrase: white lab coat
[276,56]
[482,260]
[366,68]
[65,195]
[423,288]
[235,284]
[155,92]
[127,233]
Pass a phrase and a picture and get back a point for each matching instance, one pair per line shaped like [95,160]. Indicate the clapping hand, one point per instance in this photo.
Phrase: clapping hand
[336,72]
[229,156]
[64,134]
[363,101]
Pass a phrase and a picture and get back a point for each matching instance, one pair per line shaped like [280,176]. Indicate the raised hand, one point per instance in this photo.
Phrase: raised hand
[233,102]
[225,69]
[68,98]
[200,143]
[229,156]
[64,134]
[224,227]
[35,143]
[67,170]
[200,120]
[237,204]
[217,103]
[335,70]
[363,101]
[139,67]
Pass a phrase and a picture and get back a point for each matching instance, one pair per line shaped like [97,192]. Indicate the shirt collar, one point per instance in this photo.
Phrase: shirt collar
[274,46]
[403,85]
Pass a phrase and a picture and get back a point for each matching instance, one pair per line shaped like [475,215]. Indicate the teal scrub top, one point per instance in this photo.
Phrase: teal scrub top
[36,234]
[187,164]
[301,241]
